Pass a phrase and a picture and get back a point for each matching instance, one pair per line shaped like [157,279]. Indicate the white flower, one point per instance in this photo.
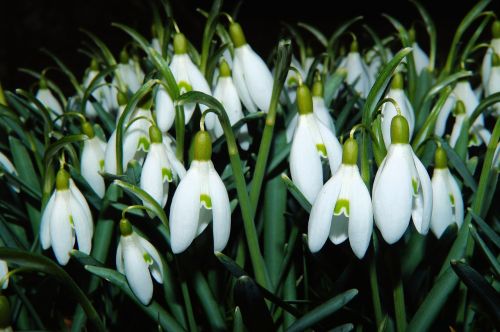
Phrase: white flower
[375,60]
[389,111]
[4,270]
[494,48]
[357,72]
[343,208]
[157,170]
[447,202]
[188,78]
[421,58]
[104,94]
[7,165]
[312,142]
[67,214]
[129,71]
[200,197]
[137,259]
[402,188]
[493,85]
[45,96]
[225,92]
[251,76]
[92,160]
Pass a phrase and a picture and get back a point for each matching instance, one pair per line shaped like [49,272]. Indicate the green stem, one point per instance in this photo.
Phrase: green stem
[377,306]
[179,132]
[399,305]
[187,300]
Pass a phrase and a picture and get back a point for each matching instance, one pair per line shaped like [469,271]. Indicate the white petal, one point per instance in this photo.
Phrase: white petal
[45,223]
[457,129]
[165,113]
[421,59]
[392,194]
[239,82]
[136,269]
[185,210]
[305,164]
[110,155]
[157,267]
[320,220]
[290,129]
[81,225]
[357,74]
[361,216]
[177,166]
[459,202]
[119,258]
[440,126]
[422,214]
[332,145]
[221,210]
[7,164]
[90,165]
[338,232]
[442,214]
[151,175]
[389,112]
[322,113]
[486,66]
[4,269]
[46,97]
[61,231]
[83,203]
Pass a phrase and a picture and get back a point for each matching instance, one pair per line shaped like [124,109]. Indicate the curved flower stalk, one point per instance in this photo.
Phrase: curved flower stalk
[252,78]
[389,110]
[494,81]
[65,216]
[138,260]
[343,208]
[129,71]
[45,96]
[188,78]
[402,188]
[493,49]
[357,72]
[447,202]
[104,94]
[6,164]
[200,198]
[226,93]
[92,160]
[312,143]
[157,171]
[4,270]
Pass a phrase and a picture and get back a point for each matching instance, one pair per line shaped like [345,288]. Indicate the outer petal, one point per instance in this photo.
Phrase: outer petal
[151,174]
[442,214]
[389,112]
[90,165]
[110,155]
[457,129]
[81,225]
[221,211]
[459,202]
[258,78]
[422,215]
[305,163]
[332,145]
[61,232]
[185,210]
[320,220]
[290,129]
[392,194]
[75,192]
[157,267]
[239,82]
[440,126]
[4,269]
[421,59]
[136,269]
[165,114]
[119,258]
[361,215]
[45,223]
[357,74]
[322,113]
[48,100]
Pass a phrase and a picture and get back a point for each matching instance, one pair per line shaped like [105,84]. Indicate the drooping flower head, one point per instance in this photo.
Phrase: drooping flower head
[92,160]
[493,49]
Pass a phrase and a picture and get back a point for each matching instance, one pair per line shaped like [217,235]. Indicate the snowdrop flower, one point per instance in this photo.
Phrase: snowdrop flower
[200,198]
[389,110]
[488,57]
[137,259]
[375,61]
[343,208]
[67,214]
[188,78]
[103,94]
[92,160]
[251,76]
[157,170]
[45,96]
[419,56]
[494,81]
[312,144]
[319,109]
[402,187]
[460,117]
[4,270]
[447,202]
[6,164]
[129,72]
[357,72]
[226,93]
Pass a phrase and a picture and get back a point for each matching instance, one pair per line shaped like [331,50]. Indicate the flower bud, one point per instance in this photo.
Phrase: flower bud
[155,134]
[202,146]
[400,131]
[224,69]
[304,100]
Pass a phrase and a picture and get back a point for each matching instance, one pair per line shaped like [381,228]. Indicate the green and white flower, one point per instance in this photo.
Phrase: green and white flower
[358,74]
[45,96]
[488,57]
[92,160]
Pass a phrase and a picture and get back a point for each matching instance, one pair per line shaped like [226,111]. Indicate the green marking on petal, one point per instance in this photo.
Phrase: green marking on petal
[101,164]
[147,258]
[414,184]
[184,86]
[206,201]
[166,174]
[341,207]
[322,150]
[143,143]
[71,221]
[452,200]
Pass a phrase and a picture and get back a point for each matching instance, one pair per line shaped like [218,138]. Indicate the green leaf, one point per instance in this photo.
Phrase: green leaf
[322,311]
[65,70]
[441,84]
[431,31]
[55,147]
[315,32]
[39,263]
[249,299]
[296,193]
[459,165]
[488,231]
[332,41]
[208,302]
[469,47]
[208,34]
[238,321]
[332,84]
[24,166]
[489,255]
[153,310]
[483,105]
[52,86]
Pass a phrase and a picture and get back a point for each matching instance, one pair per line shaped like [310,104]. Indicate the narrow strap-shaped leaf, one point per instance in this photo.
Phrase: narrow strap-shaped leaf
[488,231]
[208,302]
[315,32]
[65,70]
[487,252]
[459,165]
[431,31]
[249,299]
[296,193]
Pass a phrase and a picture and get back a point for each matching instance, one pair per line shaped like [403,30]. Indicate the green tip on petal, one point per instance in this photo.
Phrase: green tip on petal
[237,35]
[495,29]
[62,179]
[124,56]
[440,158]
[495,60]
[121,98]
[350,152]
[94,65]
[354,46]
[202,146]
[180,43]
[224,69]
[317,89]
[125,227]
[400,131]
[155,134]
[4,312]
[397,81]
[87,129]
[459,108]
[304,100]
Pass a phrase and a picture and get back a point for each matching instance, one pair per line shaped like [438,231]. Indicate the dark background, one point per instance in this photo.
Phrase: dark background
[28,25]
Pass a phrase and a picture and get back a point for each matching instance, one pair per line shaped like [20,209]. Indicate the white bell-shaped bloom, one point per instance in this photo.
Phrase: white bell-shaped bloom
[251,76]
[92,160]
[447,202]
[402,188]
[65,216]
[494,48]
[200,198]
[4,270]
[312,143]
[45,96]
[188,78]
[493,85]
[129,71]
[421,58]
[138,260]
[157,170]
[7,165]
[104,94]
[396,93]
[357,72]
[375,61]
[225,92]
[343,208]
[135,140]
[440,126]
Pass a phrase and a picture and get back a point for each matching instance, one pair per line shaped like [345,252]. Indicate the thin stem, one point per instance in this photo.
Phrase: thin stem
[134,207]
[399,305]
[179,132]
[377,305]
[187,300]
